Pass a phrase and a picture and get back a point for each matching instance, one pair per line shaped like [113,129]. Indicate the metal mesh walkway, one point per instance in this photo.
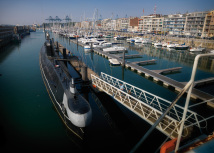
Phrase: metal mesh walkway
[147,105]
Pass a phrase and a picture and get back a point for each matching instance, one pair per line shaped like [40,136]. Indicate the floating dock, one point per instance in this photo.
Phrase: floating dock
[170,70]
[131,56]
[114,62]
[75,62]
[144,62]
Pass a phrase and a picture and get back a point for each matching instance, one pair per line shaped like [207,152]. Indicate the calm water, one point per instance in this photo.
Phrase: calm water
[29,122]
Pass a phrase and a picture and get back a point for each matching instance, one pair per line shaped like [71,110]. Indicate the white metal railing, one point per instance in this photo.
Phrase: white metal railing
[146,105]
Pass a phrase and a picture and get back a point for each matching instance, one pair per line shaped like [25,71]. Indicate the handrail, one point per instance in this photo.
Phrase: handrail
[188,95]
[189,86]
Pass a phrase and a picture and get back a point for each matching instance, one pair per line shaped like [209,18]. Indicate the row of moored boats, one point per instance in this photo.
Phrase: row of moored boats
[169,45]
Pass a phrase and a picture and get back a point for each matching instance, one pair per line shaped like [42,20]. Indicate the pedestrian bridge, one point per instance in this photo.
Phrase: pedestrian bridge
[147,105]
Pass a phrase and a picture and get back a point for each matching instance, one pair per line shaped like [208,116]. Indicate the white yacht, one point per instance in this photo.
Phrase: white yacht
[146,41]
[172,45]
[181,47]
[138,40]
[158,44]
[115,49]
[88,47]
[197,49]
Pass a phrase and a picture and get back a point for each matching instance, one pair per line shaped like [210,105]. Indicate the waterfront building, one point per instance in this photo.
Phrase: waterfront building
[174,24]
[113,24]
[122,24]
[85,24]
[77,25]
[208,29]
[140,24]
[151,24]
[195,23]
[133,24]
[6,34]
[106,24]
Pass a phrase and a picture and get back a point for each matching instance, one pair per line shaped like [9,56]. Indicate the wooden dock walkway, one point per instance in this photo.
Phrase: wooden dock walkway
[144,62]
[131,56]
[202,82]
[169,70]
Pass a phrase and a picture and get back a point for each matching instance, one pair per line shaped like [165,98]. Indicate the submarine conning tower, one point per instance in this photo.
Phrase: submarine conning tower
[47,36]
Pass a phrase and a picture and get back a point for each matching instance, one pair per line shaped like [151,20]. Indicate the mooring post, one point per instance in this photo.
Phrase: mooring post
[91,46]
[57,46]
[64,53]
[65,56]
[44,27]
[84,73]
[123,62]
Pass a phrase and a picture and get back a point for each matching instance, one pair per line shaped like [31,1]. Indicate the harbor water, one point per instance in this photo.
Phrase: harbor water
[29,122]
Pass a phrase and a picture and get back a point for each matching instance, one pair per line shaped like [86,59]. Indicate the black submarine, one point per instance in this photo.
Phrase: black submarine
[72,107]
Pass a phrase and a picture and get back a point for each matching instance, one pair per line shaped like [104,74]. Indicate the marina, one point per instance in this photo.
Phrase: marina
[156,76]
[76,63]
[107,77]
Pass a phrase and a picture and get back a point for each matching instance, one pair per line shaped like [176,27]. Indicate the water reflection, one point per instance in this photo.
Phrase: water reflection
[183,57]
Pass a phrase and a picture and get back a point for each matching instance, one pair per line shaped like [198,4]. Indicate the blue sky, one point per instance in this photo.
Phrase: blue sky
[25,12]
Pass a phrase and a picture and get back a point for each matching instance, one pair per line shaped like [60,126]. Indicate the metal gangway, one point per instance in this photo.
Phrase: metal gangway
[147,105]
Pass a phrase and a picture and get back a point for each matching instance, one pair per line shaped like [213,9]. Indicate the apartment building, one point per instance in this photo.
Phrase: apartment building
[208,29]
[106,24]
[122,24]
[150,24]
[133,24]
[195,23]
[85,24]
[174,24]
[113,24]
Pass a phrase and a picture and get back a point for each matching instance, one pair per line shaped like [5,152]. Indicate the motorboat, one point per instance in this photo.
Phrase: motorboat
[146,41]
[158,44]
[197,49]
[120,37]
[164,44]
[115,49]
[138,40]
[181,47]
[172,46]
[132,40]
[106,44]
[128,40]
[88,47]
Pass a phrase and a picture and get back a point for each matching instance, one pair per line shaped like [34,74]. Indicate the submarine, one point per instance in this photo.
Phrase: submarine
[72,107]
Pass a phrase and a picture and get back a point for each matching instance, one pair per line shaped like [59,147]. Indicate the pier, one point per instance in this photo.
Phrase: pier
[114,62]
[156,76]
[202,82]
[144,62]
[170,70]
[132,56]
[75,62]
